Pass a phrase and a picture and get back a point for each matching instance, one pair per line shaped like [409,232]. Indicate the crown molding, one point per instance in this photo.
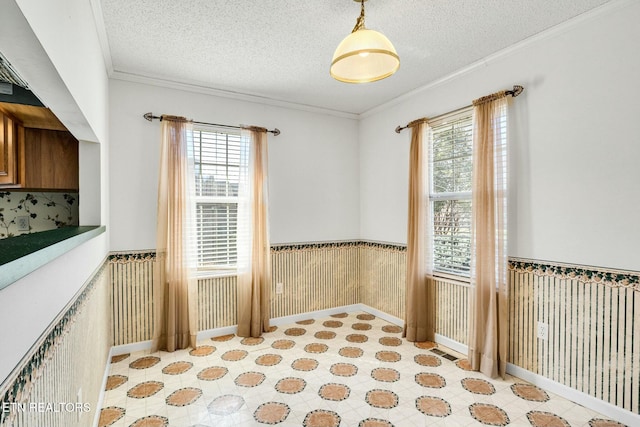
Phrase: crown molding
[101,30]
[205,90]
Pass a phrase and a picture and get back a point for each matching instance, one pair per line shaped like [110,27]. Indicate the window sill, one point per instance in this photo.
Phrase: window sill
[24,254]
[200,275]
[452,278]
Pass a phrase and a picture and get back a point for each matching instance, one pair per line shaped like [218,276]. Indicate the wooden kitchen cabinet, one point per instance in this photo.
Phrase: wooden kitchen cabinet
[11,138]
[50,160]
[36,159]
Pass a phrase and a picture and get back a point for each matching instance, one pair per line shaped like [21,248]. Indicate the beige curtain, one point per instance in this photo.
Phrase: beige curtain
[174,285]
[420,303]
[489,310]
[254,256]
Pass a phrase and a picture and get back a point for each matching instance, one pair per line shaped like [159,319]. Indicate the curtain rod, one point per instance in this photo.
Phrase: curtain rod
[517,90]
[151,117]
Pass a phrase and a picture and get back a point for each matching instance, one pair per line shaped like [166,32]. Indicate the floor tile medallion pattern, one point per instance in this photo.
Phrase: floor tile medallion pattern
[318,372]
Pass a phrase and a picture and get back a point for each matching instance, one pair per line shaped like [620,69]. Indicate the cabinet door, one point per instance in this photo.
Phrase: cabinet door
[8,169]
[51,160]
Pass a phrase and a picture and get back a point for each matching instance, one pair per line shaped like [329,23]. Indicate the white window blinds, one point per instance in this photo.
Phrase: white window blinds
[450,195]
[217,172]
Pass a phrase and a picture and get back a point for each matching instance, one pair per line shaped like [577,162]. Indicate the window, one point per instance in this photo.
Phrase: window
[217,174]
[450,195]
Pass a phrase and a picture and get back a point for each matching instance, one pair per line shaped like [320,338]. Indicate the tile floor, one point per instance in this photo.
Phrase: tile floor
[344,370]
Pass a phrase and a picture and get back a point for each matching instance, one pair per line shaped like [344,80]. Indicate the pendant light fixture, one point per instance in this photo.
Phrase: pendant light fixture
[364,55]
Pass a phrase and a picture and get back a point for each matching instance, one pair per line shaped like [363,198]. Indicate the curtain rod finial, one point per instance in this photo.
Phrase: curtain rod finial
[399,129]
[517,90]
[276,132]
[148,116]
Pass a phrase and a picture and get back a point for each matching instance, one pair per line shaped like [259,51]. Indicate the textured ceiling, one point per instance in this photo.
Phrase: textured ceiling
[281,49]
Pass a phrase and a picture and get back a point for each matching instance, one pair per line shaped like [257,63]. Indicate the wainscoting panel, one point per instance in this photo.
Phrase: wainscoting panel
[382,286]
[383,270]
[452,310]
[217,302]
[70,356]
[593,343]
[523,345]
[314,277]
[131,277]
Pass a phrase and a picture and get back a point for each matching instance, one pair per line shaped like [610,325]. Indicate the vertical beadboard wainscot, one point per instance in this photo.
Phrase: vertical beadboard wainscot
[314,276]
[131,280]
[592,317]
[217,302]
[70,356]
[383,270]
[452,310]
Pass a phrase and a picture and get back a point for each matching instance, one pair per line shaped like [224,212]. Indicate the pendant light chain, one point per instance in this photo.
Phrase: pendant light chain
[360,20]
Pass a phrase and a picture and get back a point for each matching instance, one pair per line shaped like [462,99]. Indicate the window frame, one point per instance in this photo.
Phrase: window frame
[463,114]
[228,269]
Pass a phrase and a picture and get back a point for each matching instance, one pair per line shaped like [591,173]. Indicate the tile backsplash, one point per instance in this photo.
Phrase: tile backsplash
[23,212]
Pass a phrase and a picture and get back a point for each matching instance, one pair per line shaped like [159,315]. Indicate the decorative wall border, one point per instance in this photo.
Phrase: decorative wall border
[287,247]
[290,247]
[24,375]
[148,254]
[131,256]
[396,247]
[583,274]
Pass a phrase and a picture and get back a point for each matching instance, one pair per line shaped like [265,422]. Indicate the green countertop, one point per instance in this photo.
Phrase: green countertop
[23,254]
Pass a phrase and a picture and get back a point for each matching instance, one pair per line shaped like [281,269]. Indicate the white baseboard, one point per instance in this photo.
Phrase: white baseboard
[100,401]
[440,339]
[216,332]
[285,320]
[382,315]
[593,403]
[117,350]
[453,345]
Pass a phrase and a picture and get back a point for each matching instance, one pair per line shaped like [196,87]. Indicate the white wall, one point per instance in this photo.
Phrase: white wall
[313,164]
[574,141]
[54,46]
[66,31]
